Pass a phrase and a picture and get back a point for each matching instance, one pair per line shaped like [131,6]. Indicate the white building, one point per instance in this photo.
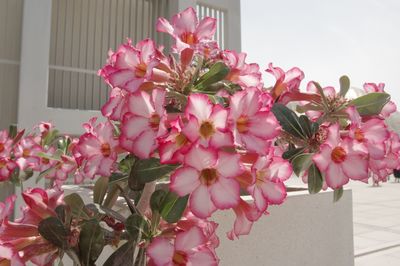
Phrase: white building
[50,51]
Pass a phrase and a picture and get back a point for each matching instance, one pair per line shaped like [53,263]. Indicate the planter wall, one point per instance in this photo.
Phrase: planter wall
[307,230]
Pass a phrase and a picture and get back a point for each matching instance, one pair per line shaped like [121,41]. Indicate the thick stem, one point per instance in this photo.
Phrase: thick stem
[144,202]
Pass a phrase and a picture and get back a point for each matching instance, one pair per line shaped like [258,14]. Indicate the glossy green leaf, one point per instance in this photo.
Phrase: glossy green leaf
[148,170]
[314,179]
[301,162]
[157,199]
[337,194]
[344,82]
[91,242]
[288,120]
[75,202]
[122,256]
[173,207]
[53,230]
[100,189]
[321,92]
[290,154]
[305,124]
[134,224]
[217,72]
[371,103]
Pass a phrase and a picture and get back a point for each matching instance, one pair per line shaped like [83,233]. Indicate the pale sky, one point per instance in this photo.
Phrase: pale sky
[326,39]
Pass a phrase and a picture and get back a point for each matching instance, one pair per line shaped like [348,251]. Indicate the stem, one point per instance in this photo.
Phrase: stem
[144,202]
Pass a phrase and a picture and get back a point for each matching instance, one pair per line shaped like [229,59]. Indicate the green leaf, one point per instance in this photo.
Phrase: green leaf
[314,179]
[78,209]
[116,178]
[305,124]
[100,189]
[301,162]
[134,224]
[290,154]
[126,164]
[371,103]
[12,131]
[53,230]
[50,137]
[91,242]
[288,120]
[344,85]
[337,194]
[321,92]
[148,170]
[157,199]
[217,72]
[122,256]
[314,128]
[173,207]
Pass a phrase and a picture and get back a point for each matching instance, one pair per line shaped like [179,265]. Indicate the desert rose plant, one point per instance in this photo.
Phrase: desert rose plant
[184,136]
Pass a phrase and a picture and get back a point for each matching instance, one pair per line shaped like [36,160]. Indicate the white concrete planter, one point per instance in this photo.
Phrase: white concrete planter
[307,230]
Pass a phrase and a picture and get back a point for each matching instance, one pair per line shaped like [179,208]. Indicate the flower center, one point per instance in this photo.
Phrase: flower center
[45,160]
[105,149]
[260,176]
[2,148]
[2,164]
[180,140]
[26,153]
[140,70]
[207,129]
[189,38]
[208,176]
[359,135]
[338,155]
[242,124]
[154,121]
[179,258]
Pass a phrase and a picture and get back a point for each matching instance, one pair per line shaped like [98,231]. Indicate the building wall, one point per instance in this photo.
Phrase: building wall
[10,47]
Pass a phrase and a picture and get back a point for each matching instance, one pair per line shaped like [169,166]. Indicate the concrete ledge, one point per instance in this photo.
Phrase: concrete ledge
[306,230]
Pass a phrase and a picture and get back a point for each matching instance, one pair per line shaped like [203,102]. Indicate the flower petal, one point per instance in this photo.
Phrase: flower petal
[184,181]
[200,202]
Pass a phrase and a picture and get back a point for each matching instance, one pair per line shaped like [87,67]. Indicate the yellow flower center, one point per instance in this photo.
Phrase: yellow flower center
[105,149]
[179,258]
[338,155]
[2,148]
[181,140]
[359,135]
[242,124]
[207,129]
[140,70]
[208,176]
[189,38]
[26,153]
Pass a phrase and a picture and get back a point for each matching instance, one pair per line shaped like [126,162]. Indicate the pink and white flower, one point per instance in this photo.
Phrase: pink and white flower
[26,153]
[143,123]
[7,207]
[5,144]
[131,67]
[390,107]
[115,107]
[253,125]
[188,248]
[339,161]
[241,73]
[207,122]
[96,151]
[7,167]
[286,82]
[246,215]
[209,177]
[61,170]
[187,31]
[267,187]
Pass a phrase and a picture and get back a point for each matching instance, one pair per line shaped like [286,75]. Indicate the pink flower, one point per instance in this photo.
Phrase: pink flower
[7,167]
[209,177]
[115,107]
[96,151]
[253,126]
[131,67]
[246,214]
[390,107]
[26,153]
[188,248]
[5,144]
[268,173]
[7,208]
[187,31]
[329,92]
[62,169]
[286,82]
[20,241]
[143,123]
[207,123]
[173,146]
[339,161]
[241,73]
